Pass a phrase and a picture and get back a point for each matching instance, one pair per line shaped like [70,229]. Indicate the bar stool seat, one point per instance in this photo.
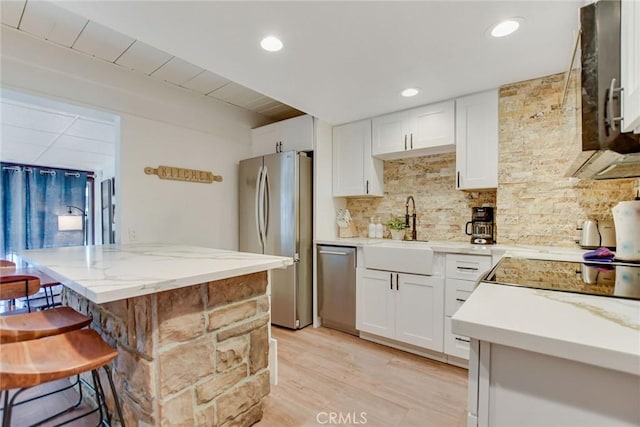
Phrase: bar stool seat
[40,324]
[30,363]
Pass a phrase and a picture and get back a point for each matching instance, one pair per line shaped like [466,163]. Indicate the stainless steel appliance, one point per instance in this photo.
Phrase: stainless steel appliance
[594,234]
[606,153]
[612,279]
[337,287]
[108,190]
[481,226]
[275,209]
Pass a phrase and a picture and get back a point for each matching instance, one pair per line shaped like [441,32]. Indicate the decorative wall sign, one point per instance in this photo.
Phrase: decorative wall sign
[182,174]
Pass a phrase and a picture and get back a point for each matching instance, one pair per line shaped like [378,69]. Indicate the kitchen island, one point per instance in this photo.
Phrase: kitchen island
[541,357]
[191,326]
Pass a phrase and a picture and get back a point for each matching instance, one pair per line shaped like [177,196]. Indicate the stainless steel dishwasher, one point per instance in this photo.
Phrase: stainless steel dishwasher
[337,287]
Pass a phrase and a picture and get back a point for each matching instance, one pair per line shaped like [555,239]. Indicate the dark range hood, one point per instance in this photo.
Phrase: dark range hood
[606,153]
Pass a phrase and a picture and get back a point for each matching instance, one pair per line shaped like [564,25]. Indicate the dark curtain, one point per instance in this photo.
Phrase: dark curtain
[32,199]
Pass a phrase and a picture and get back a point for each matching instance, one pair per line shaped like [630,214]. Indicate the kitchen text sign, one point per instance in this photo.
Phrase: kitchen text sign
[182,174]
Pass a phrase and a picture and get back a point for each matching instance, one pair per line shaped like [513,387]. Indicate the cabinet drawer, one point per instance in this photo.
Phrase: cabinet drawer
[467,267]
[455,345]
[456,293]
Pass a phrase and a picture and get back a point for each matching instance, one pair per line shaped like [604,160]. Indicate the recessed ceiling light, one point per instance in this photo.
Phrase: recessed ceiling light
[271,44]
[410,92]
[505,28]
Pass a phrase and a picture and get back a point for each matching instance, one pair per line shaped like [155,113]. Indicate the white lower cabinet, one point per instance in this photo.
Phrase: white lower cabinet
[462,271]
[404,307]
[455,345]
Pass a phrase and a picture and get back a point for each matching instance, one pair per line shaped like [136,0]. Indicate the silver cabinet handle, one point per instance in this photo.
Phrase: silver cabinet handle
[391,281]
[412,141]
[468,268]
[334,253]
[463,340]
[460,300]
[397,282]
[405,141]
[610,119]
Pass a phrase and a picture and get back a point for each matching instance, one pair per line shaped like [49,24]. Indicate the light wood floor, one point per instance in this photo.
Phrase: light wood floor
[26,414]
[323,371]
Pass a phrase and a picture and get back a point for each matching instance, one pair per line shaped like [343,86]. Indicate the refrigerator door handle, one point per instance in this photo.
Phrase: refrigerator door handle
[259,202]
[265,203]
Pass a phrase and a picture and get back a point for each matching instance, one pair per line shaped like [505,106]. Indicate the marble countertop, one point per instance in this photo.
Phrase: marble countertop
[107,273]
[528,251]
[601,331]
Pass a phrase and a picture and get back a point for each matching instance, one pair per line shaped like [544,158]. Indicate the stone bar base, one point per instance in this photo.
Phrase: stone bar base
[195,356]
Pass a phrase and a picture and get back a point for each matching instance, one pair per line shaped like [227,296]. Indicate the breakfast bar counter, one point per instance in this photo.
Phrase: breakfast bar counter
[190,325]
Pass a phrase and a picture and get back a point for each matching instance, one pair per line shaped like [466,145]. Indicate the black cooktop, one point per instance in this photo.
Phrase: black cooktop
[621,280]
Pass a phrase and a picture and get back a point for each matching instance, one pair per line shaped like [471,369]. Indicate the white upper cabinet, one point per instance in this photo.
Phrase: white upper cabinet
[477,141]
[630,65]
[390,133]
[417,132]
[355,172]
[292,134]
[433,126]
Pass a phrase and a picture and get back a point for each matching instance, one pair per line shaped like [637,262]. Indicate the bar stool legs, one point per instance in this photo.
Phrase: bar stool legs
[30,363]
[105,416]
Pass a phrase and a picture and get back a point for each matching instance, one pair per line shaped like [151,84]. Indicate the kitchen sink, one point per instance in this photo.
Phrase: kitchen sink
[401,256]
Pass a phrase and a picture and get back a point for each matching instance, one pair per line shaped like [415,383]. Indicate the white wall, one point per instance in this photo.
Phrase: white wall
[325,205]
[160,125]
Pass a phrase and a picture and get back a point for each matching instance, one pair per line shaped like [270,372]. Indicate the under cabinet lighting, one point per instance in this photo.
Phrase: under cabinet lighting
[410,92]
[271,44]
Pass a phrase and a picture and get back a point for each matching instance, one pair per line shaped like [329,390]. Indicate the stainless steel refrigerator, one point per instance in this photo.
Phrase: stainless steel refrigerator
[276,219]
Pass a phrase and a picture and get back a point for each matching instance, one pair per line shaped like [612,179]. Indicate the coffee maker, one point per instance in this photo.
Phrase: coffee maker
[481,226]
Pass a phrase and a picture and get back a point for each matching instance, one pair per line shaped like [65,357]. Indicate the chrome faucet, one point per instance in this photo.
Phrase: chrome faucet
[414,233]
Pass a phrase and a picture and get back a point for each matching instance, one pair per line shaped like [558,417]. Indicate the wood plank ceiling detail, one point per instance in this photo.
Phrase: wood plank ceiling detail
[55,24]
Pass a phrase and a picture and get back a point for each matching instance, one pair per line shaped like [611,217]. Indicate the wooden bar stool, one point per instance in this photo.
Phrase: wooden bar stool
[13,287]
[40,324]
[30,363]
[29,326]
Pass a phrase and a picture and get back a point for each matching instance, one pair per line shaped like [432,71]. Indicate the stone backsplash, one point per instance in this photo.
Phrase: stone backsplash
[442,212]
[535,203]
[539,140]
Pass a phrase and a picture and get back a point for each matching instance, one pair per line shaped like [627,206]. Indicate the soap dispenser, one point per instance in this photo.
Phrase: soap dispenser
[379,229]
[372,228]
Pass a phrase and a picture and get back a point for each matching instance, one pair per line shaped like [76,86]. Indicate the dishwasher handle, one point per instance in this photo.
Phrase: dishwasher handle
[334,253]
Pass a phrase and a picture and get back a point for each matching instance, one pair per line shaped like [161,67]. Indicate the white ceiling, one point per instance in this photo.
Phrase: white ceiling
[55,136]
[58,25]
[344,60]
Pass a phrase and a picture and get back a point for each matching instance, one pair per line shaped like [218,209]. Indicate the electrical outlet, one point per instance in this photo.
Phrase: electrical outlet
[132,234]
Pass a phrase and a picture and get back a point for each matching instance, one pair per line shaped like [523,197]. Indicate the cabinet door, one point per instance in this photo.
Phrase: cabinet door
[630,65]
[477,141]
[355,172]
[390,133]
[466,267]
[265,138]
[432,126]
[375,302]
[455,345]
[420,310]
[297,133]
[456,293]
